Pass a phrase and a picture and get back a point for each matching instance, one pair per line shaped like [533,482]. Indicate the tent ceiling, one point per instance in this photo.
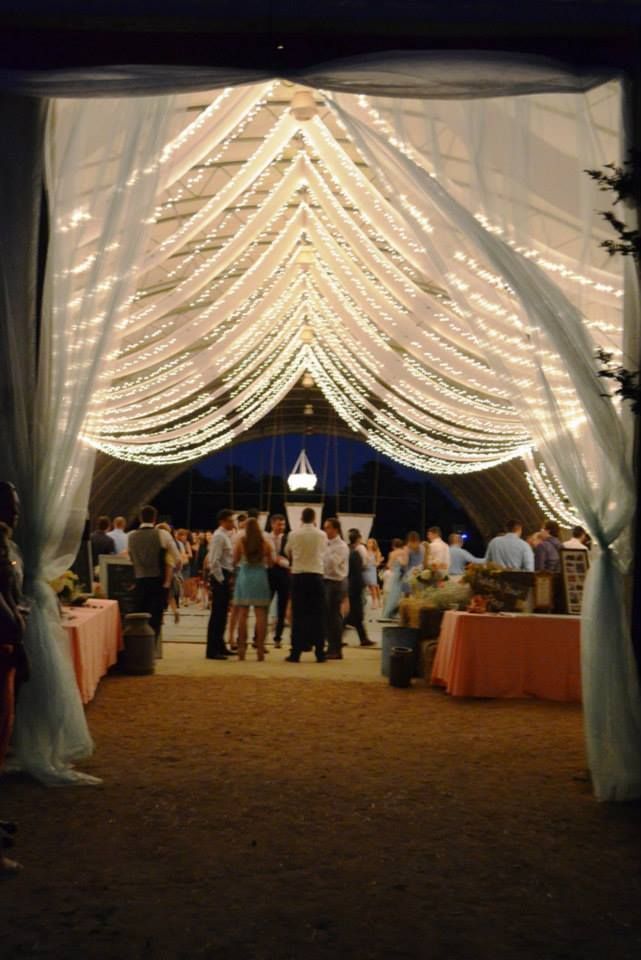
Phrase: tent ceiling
[121,487]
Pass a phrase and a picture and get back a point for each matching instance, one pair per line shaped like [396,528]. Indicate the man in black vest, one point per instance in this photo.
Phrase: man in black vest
[148,550]
[278,573]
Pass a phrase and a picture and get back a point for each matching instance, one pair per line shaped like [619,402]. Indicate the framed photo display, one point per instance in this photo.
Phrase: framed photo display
[574,567]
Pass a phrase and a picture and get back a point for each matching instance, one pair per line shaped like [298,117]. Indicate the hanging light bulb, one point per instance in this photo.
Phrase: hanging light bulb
[308,380]
[307,335]
[302,476]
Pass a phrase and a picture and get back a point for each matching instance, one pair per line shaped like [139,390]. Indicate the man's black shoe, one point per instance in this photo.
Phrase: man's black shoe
[216,656]
[291,659]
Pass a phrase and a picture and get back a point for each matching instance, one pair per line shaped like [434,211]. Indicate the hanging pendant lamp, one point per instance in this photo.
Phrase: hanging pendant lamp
[302,476]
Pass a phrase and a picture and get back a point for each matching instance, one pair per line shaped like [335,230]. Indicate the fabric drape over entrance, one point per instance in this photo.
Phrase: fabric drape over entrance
[447,301]
[101,175]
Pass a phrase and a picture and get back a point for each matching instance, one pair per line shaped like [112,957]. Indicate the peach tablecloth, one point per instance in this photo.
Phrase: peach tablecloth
[96,637]
[485,655]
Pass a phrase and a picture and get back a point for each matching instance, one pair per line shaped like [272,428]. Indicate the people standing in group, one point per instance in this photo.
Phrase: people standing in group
[509,550]
[459,556]
[101,542]
[279,573]
[547,553]
[355,588]
[335,571]
[305,550]
[252,554]
[370,572]
[437,552]
[220,563]
[150,550]
[118,535]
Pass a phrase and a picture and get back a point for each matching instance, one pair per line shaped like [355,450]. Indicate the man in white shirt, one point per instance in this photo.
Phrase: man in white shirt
[577,540]
[118,535]
[221,568]
[305,550]
[335,569]
[438,552]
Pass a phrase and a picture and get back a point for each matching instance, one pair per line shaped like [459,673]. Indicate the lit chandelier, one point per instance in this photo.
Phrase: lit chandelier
[302,476]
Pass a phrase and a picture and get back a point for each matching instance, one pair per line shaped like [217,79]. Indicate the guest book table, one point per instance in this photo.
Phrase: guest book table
[493,655]
[96,638]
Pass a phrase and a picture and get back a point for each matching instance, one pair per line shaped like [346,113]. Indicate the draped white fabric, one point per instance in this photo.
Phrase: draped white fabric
[357,521]
[434,265]
[424,73]
[102,172]
[584,437]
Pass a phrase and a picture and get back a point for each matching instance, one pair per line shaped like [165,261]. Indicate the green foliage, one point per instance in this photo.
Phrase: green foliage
[624,182]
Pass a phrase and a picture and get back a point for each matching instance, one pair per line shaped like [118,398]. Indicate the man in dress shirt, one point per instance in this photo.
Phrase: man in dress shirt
[100,540]
[459,557]
[509,551]
[305,549]
[118,535]
[335,569]
[221,569]
[438,552]
[577,541]
[547,551]
[148,549]
[278,573]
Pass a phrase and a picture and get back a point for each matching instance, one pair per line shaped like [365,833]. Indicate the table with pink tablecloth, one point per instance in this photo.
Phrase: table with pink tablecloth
[493,655]
[96,637]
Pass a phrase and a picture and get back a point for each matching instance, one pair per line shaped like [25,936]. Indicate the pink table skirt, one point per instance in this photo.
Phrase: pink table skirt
[485,655]
[96,637]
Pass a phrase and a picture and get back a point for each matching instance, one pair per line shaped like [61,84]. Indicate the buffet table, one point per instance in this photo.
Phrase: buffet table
[503,655]
[96,637]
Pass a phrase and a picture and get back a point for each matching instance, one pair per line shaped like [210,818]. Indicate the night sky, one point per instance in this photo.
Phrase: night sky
[407,499]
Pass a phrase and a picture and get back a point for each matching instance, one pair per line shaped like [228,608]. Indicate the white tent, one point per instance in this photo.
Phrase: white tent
[434,263]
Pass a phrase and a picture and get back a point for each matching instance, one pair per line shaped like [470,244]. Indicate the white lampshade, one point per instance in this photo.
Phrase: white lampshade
[302,476]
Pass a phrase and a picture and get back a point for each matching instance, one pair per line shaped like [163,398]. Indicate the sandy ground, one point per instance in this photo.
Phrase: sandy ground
[284,815]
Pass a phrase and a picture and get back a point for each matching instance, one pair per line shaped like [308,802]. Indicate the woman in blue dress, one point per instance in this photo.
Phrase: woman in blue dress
[415,554]
[396,565]
[252,556]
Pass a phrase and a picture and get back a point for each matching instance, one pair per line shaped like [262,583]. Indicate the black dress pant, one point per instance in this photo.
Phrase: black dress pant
[334,594]
[355,616]
[220,596]
[279,585]
[150,597]
[308,614]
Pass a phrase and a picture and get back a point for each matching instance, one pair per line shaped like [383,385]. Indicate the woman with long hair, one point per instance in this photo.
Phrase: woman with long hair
[252,554]
[396,563]
[370,573]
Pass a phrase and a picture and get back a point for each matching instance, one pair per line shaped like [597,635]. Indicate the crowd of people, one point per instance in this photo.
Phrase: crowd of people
[315,579]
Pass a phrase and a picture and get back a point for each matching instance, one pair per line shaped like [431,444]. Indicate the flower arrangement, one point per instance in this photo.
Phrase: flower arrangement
[420,578]
[65,586]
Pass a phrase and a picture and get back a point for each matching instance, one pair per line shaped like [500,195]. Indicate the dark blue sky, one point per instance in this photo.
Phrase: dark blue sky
[336,456]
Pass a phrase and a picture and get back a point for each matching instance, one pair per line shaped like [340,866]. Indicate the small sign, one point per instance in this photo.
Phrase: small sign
[543,600]
[117,582]
[574,568]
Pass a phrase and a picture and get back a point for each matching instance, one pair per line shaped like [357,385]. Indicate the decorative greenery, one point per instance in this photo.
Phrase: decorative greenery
[628,380]
[624,182]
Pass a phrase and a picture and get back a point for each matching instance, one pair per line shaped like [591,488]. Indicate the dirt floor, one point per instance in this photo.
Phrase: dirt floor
[250,819]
